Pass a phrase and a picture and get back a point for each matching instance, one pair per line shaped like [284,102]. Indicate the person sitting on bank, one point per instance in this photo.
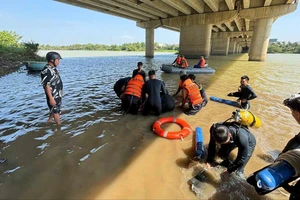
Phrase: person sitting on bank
[184,63]
[192,95]
[131,98]
[177,60]
[139,71]
[152,91]
[201,89]
[245,93]
[201,63]
[230,135]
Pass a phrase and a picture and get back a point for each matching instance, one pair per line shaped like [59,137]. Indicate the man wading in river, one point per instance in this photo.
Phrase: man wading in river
[53,86]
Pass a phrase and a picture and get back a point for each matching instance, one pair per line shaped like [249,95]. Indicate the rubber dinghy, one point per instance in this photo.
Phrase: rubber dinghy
[225,101]
[168,68]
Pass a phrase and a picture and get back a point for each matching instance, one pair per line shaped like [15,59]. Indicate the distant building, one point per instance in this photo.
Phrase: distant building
[272,40]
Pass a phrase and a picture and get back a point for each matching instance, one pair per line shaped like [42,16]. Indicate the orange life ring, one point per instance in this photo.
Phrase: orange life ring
[185,131]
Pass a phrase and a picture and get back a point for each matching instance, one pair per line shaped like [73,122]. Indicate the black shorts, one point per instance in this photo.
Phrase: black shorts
[55,109]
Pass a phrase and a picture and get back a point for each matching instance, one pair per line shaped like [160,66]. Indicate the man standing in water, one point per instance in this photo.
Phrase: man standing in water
[139,71]
[245,93]
[53,86]
[152,90]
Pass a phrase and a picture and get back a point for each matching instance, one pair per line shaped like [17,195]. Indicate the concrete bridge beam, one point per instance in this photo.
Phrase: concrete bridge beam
[195,41]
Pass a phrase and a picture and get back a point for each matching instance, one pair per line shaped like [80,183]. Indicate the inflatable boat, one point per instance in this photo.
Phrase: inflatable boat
[168,68]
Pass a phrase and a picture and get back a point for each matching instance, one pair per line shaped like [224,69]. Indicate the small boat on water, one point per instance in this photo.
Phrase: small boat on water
[35,66]
[168,68]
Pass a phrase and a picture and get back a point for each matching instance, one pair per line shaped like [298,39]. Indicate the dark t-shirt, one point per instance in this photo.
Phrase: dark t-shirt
[51,77]
[154,88]
[142,72]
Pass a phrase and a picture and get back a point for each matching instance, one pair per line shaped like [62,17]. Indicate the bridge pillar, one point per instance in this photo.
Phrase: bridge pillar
[150,42]
[220,46]
[232,46]
[260,39]
[195,40]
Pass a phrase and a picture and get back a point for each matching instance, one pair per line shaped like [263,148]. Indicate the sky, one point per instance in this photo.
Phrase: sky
[55,23]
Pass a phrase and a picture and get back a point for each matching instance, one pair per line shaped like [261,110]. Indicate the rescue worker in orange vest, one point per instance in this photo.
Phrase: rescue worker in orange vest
[191,94]
[201,63]
[132,96]
[184,63]
[177,61]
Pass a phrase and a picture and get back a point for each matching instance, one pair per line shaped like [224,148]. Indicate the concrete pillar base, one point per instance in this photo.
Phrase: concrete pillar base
[195,41]
[149,42]
[260,39]
[220,46]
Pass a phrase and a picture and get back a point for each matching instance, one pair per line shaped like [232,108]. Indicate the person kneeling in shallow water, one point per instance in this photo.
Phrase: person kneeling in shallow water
[192,95]
[230,135]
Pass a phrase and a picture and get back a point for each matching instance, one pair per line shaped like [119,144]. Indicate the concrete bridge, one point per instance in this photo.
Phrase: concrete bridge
[217,27]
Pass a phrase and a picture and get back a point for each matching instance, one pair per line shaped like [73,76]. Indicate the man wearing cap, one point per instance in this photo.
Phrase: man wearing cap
[244,93]
[53,86]
[139,71]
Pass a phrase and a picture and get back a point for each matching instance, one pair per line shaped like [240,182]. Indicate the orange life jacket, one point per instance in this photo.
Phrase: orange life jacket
[193,92]
[203,62]
[178,61]
[184,63]
[134,86]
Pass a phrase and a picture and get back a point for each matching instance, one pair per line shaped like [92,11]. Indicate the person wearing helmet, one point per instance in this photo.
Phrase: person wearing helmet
[53,86]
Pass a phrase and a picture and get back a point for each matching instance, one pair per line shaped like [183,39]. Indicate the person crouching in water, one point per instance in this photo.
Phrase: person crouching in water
[201,89]
[152,90]
[230,135]
[191,94]
[245,93]
[131,98]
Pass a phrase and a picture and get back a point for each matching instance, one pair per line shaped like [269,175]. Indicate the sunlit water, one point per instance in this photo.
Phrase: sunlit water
[96,140]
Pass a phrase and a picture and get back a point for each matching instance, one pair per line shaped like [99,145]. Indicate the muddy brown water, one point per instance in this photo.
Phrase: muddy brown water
[101,154]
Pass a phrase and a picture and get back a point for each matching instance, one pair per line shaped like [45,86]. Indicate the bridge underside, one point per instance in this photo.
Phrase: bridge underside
[206,26]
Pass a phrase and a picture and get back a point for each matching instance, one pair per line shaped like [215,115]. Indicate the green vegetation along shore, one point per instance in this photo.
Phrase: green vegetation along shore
[13,54]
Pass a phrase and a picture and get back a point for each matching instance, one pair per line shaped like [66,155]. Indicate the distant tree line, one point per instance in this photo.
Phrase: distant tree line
[284,47]
[137,46]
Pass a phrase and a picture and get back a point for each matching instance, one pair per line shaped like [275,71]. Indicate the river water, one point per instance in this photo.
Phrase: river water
[97,144]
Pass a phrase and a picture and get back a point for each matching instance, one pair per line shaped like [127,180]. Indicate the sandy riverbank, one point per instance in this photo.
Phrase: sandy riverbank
[169,162]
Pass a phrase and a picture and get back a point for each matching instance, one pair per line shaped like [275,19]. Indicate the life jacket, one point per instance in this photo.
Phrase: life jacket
[203,62]
[178,61]
[134,86]
[184,63]
[193,92]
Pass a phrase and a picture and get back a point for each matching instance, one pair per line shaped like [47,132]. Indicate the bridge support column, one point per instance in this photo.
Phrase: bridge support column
[232,46]
[260,39]
[195,41]
[220,46]
[150,42]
